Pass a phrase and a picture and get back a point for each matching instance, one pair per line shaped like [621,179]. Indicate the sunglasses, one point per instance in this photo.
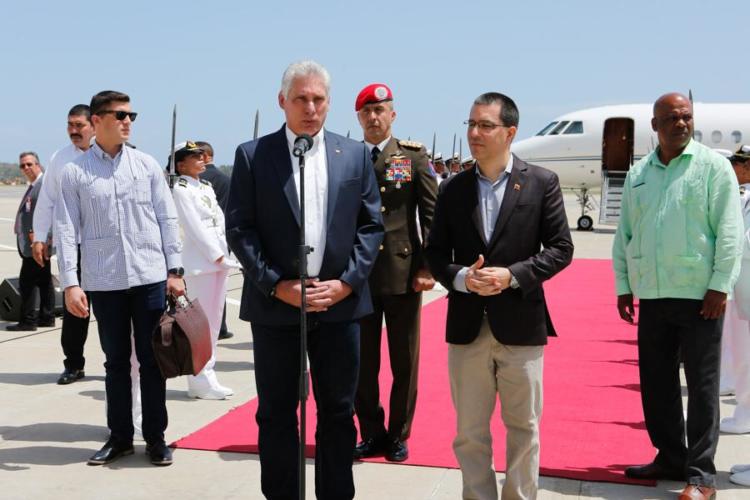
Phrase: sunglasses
[26,165]
[119,115]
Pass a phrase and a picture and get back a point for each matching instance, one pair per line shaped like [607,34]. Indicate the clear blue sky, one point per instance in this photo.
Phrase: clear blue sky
[220,61]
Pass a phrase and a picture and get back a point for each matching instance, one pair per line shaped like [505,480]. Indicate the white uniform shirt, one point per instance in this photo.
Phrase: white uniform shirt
[202,223]
[45,205]
[742,287]
[316,197]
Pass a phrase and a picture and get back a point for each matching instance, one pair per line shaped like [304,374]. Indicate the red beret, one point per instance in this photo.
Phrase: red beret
[376,92]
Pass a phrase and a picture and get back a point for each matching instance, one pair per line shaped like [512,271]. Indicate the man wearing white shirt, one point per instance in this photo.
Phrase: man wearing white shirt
[74,329]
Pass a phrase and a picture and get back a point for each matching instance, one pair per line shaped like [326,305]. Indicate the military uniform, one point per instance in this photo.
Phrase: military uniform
[407,184]
[204,241]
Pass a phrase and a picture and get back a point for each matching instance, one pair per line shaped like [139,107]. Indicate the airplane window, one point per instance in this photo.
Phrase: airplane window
[574,128]
[737,136]
[716,136]
[558,128]
[698,135]
[547,128]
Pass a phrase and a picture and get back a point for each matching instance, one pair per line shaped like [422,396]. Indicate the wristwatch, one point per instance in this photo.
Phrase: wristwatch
[514,282]
[177,271]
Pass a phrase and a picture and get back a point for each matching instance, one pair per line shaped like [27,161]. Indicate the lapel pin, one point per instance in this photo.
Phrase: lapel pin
[516,187]
[338,150]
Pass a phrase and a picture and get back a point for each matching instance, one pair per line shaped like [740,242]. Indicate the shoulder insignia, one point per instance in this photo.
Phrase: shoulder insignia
[182,182]
[411,144]
[204,181]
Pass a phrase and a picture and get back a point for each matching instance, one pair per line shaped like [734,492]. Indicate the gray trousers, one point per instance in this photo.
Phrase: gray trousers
[478,373]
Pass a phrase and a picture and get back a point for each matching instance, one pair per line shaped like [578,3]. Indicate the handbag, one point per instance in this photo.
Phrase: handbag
[182,339]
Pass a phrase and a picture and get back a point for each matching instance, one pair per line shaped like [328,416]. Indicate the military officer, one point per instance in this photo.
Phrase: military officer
[407,187]
[205,256]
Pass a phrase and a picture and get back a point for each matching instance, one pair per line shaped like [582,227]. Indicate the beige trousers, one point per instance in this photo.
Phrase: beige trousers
[478,373]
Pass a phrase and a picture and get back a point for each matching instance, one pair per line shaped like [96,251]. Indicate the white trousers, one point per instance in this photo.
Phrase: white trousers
[210,289]
[479,372]
[737,335]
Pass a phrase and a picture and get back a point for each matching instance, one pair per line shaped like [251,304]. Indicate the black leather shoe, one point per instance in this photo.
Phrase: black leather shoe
[110,452]
[70,376]
[21,327]
[397,451]
[225,335]
[47,324]
[370,447]
[159,453]
[653,471]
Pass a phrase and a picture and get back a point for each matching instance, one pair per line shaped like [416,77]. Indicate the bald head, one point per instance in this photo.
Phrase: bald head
[673,124]
[670,100]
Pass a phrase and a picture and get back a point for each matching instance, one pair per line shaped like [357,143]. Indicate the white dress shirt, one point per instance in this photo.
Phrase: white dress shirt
[316,197]
[44,212]
[380,146]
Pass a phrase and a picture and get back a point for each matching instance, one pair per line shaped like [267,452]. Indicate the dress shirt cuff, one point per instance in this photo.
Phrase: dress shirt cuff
[622,286]
[68,279]
[174,260]
[720,282]
[459,281]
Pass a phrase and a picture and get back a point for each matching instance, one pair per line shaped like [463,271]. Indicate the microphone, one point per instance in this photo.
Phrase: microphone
[302,145]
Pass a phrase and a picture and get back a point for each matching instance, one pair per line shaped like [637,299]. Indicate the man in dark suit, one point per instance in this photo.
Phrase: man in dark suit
[220,184]
[407,183]
[32,276]
[499,231]
[344,227]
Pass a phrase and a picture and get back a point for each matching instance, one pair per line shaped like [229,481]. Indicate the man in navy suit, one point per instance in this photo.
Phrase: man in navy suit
[344,227]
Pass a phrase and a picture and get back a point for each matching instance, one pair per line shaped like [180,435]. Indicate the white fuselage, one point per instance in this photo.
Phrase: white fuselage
[574,150]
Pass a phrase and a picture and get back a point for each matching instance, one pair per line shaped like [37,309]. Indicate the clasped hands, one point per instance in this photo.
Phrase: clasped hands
[487,280]
[319,295]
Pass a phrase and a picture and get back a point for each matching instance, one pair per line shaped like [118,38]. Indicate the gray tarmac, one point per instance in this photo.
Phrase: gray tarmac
[47,432]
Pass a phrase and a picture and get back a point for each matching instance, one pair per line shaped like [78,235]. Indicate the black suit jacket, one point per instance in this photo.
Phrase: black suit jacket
[262,220]
[531,238]
[220,182]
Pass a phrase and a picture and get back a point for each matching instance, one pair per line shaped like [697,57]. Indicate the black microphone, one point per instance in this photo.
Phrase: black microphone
[302,145]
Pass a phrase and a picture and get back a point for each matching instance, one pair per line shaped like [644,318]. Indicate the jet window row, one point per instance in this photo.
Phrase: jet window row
[716,136]
[564,127]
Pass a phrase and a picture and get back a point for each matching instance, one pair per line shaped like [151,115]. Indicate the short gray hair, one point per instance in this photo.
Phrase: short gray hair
[30,153]
[300,69]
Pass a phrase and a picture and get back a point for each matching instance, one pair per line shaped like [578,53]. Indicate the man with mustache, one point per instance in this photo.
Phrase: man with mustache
[74,329]
[678,248]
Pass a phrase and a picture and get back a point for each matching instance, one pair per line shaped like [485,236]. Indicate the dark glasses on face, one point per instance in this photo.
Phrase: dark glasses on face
[26,165]
[119,115]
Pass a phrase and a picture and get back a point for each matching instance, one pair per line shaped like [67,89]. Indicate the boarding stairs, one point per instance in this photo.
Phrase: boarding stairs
[613,184]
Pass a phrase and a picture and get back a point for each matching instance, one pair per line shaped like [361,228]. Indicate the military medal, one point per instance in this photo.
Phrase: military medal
[399,171]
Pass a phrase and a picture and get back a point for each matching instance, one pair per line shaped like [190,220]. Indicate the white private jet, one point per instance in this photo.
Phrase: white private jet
[596,147]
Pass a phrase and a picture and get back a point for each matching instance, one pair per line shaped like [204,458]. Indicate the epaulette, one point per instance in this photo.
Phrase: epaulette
[410,144]
[182,182]
[204,181]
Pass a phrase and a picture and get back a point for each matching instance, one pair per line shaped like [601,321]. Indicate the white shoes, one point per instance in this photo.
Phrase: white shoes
[741,478]
[214,393]
[736,469]
[731,425]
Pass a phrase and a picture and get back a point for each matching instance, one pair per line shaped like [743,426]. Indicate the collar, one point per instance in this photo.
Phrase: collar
[100,153]
[690,150]
[291,137]
[191,180]
[37,179]
[508,170]
[380,146]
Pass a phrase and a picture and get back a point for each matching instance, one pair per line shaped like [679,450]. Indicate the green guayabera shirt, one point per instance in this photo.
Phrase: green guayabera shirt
[681,227]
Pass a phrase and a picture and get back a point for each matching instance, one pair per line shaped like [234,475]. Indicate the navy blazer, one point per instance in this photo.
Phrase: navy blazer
[262,221]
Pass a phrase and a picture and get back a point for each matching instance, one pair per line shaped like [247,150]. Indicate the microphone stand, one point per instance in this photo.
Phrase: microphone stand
[304,388]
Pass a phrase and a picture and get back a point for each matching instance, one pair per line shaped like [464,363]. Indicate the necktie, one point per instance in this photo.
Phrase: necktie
[374,154]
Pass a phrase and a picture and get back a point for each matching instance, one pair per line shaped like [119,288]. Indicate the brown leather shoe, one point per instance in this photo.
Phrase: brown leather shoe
[698,492]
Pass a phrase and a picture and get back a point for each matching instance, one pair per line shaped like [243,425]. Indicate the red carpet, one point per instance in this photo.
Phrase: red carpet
[592,425]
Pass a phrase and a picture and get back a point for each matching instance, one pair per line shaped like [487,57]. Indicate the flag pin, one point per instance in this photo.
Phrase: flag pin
[516,187]
[338,150]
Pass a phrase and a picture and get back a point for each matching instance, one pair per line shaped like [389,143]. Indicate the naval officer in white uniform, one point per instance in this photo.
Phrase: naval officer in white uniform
[205,256]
